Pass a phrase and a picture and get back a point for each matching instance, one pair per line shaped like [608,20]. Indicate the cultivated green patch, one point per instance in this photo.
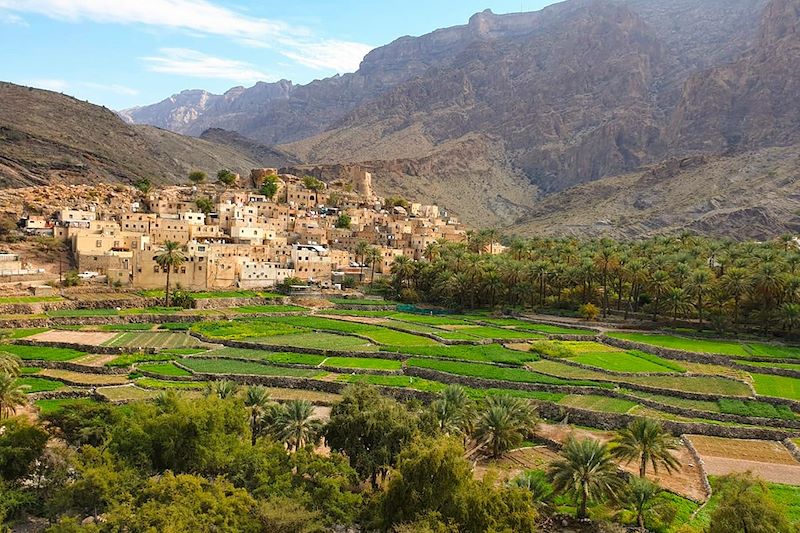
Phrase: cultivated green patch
[228,366]
[44,353]
[370,363]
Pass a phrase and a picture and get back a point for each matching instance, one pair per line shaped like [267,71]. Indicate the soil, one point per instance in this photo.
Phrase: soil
[769,460]
[94,338]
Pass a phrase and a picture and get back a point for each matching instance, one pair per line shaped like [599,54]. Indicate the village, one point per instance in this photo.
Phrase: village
[238,237]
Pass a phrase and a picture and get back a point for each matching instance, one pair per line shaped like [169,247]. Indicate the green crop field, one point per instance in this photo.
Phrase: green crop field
[700,384]
[252,309]
[21,333]
[129,359]
[598,403]
[484,371]
[789,366]
[151,383]
[685,343]
[755,408]
[243,329]
[75,313]
[40,352]
[29,299]
[126,327]
[319,341]
[176,326]
[627,362]
[777,386]
[771,350]
[420,384]
[153,339]
[315,322]
[542,328]
[391,337]
[164,369]
[34,384]
[228,366]
[431,320]
[683,403]
[47,407]
[372,313]
[370,363]
[360,301]
[488,332]
[261,355]
[154,310]
[487,353]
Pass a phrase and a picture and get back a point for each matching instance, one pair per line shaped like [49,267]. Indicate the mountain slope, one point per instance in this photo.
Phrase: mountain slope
[48,136]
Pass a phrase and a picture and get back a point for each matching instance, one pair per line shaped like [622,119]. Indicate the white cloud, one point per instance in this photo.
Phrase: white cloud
[185,62]
[205,18]
[50,84]
[11,18]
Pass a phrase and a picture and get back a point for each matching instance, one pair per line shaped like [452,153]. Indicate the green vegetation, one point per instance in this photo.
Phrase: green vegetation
[152,339]
[632,361]
[777,386]
[319,341]
[497,372]
[598,403]
[362,362]
[243,329]
[420,384]
[77,313]
[21,333]
[228,366]
[164,369]
[126,327]
[273,357]
[685,343]
[28,299]
[489,353]
[34,384]
[361,301]
[753,408]
[129,359]
[252,309]
[47,407]
[40,352]
[176,326]
[152,383]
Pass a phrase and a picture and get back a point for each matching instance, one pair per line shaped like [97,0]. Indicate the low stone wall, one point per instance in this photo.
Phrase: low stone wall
[614,421]
[88,392]
[701,465]
[88,348]
[792,447]
[667,353]
[785,372]
[228,303]
[75,367]
[357,307]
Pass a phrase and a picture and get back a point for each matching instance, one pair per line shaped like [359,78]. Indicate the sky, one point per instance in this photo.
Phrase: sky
[123,53]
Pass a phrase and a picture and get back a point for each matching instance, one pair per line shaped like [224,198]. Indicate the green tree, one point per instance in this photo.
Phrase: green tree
[21,443]
[370,429]
[735,284]
[144,185]
[313,184]
[205,205]
[644,499]
[226,177]
[362,247]
[538,485]
[270,186]
[372,258]
[789,315]
[645,441]
[171,257]
[586,471]
[746,505]
[197,177]
[343,222]
[453,410]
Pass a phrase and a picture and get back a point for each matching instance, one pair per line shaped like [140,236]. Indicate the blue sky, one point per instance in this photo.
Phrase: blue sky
[121,53]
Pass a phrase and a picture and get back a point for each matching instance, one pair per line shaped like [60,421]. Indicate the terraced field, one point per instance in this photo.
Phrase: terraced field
[153,339]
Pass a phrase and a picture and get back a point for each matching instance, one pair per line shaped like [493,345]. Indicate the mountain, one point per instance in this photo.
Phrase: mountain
[47,136]
[267,156]
[504,116]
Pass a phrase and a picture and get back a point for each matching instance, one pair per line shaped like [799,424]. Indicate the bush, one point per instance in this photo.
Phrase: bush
[551,349]
[589,311]
[409,296]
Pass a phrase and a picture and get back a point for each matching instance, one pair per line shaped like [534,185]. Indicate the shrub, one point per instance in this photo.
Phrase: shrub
[589,311]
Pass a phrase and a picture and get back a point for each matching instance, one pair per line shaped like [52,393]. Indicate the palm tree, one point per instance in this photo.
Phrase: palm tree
[658,287]
[294,425]
[677,301]
[171,257]
[535,482]
[11,394]
[222,389]
[735,283]
[256,399]
[372,258]
[361,252]
[699,287]
[646,441]
[452,408]
[642,497]
[790,317]
[586,471]
[9,364]
[504,423]
[402,269]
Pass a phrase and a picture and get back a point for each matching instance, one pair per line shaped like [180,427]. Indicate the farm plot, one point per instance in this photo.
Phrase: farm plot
[91,338]
[767,459]
[129,359]
[598,403]
[533,326]
[487,353]
[273,357]
[153,339]
[698,384]
[126,393]
[77,313]
[44,353]
[163,384]
[36,384]
[488,332]
[52,406]
[318,341]
[484,371]
[164,369]
[771,350]
[391,337]
[21,333]
[686,481]
[688,344]
[81,378]
[253,309]
[228,366]
[244,328]
[777,386]
[632,362]
[362,362]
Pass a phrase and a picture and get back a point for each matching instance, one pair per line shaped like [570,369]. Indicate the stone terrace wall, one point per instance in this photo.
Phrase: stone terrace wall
[228,303]
[88,348]
[701,465]
[75,367]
